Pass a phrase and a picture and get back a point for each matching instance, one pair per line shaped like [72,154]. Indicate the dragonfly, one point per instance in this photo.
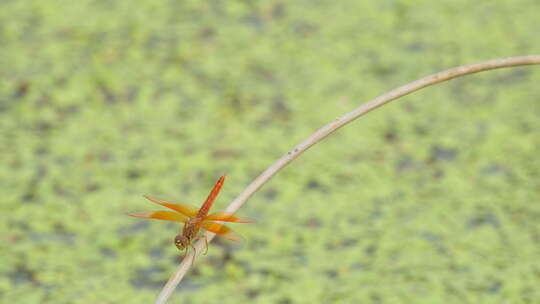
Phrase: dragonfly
[195,219]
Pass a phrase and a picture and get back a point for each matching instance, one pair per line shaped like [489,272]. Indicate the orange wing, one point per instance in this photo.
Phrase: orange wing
[162,215]
[221,230]
[227,217]
[182,208]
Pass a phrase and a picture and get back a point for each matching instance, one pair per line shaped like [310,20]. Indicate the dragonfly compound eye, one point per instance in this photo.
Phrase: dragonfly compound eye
[181,241]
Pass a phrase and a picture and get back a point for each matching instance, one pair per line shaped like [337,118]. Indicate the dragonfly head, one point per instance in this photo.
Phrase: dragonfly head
[181,241]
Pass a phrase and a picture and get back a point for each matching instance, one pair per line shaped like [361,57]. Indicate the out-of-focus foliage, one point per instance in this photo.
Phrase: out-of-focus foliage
[432,199]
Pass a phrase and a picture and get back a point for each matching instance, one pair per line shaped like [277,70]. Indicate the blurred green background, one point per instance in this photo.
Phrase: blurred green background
[431,199]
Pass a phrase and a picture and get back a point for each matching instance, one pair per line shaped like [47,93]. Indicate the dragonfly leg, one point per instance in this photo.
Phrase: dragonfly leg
[205,243]
[194,253]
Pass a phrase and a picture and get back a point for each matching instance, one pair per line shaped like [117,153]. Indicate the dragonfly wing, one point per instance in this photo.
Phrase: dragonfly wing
[221,230]
[182,208]
[227,217]
[162,215]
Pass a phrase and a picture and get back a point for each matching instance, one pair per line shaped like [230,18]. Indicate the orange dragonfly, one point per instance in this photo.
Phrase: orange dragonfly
[196,219]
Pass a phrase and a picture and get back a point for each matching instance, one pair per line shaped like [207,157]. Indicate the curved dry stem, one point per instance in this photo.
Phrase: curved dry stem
[333,126]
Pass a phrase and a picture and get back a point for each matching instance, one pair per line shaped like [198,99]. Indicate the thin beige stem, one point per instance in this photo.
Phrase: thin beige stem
[329,129]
